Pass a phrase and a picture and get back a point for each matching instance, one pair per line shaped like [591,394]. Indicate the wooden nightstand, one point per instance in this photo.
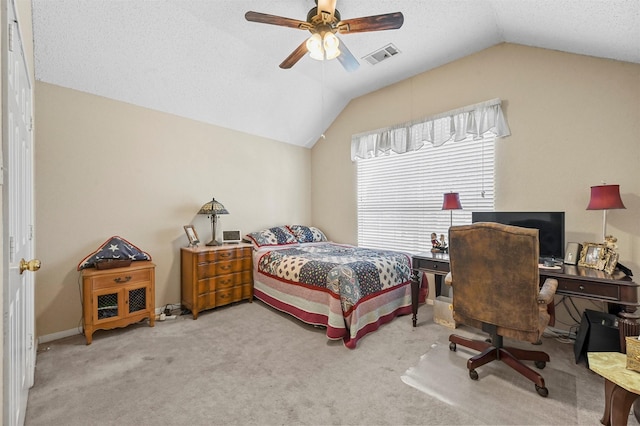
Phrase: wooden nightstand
[215,275]
[118,297]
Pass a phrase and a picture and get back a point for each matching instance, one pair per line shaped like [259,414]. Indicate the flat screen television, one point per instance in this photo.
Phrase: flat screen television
[549,224]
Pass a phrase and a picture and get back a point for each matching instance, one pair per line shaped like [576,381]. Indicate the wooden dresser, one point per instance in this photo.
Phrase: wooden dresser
[215,275]
[117,297]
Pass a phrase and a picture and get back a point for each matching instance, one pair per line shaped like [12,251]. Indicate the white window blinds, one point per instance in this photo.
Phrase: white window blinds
[400,195]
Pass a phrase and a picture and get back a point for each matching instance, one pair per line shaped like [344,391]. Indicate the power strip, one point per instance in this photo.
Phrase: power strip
[163,317]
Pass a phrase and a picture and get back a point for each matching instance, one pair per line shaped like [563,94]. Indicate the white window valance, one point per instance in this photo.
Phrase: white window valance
[473,120]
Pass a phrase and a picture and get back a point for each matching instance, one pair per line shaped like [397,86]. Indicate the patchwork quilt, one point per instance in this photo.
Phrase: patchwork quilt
[350,274]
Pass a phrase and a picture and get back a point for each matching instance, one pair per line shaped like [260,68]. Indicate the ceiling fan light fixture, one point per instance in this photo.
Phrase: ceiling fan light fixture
[314,46]
[331,43]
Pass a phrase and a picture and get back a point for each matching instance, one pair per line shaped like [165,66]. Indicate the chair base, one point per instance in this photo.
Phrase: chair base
[513,357]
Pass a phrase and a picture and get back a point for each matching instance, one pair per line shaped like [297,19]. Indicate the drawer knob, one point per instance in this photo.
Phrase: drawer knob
[581,287]
[120,280]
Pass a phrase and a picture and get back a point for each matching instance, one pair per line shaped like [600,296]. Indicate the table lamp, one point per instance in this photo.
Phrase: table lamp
[605,197]
[213,208]
[451,202]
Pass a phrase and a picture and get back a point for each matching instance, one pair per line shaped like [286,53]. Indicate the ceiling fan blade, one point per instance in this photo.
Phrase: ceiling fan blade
[327,6]
[264,18]
[346,58]
[295,56]
[388,21]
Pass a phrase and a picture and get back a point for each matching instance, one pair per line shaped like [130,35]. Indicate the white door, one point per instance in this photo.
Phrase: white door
[18,334]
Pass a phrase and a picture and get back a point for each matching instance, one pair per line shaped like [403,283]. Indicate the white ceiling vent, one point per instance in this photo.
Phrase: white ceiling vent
[381,54]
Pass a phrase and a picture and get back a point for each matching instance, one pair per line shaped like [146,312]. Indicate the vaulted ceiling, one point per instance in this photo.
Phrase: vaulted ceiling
[202,60]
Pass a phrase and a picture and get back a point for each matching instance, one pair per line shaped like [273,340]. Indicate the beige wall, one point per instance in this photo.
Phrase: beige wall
[107,168]
[574,120]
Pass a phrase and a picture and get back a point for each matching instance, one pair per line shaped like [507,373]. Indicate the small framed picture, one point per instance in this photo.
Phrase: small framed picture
[594,256]
[612,262]
[192,235]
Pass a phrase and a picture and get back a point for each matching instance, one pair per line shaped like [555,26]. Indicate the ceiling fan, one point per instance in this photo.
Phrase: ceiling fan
[323,22]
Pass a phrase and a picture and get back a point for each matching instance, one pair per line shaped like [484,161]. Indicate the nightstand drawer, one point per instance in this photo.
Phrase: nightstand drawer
[207,270]
[218,255]
[224,297]
[223,254]
[223,281]
[121,278]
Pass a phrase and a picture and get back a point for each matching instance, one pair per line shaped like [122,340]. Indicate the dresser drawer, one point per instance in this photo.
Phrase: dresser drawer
[223,281]
[121,278]
[230,295]
[208,270]
[223,254]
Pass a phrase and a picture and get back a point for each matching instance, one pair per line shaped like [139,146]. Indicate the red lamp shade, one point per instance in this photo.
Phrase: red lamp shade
[451,201]
[605,197]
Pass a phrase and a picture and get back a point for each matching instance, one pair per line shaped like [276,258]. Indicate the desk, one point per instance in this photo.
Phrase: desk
[575,281]
[621,386]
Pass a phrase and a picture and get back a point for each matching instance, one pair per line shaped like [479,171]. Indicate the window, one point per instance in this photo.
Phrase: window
[400,195]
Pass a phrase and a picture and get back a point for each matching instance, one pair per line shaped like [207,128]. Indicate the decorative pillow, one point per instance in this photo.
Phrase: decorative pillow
[277,236]
[307,234]
[114,248]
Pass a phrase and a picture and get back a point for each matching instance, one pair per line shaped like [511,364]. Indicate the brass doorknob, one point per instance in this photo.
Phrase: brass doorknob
[32,265]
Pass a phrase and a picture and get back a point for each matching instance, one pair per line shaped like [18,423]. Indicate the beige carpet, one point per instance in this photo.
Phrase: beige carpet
[443,374]
[248,364]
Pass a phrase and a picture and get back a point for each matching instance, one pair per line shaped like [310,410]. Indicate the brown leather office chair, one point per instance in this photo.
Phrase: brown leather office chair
[496,288]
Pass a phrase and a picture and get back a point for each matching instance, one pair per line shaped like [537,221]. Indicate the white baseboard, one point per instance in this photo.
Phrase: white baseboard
[74,331]
[59,335]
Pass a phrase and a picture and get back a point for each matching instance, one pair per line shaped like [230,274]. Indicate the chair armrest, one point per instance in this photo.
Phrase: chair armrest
[447,279]
[548,290]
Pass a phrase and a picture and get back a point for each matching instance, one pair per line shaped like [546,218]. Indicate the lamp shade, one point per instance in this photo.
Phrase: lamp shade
[605,197]
[451,201]
[213,207]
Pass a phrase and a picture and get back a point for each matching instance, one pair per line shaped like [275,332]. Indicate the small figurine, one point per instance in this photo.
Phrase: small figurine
[434,241]
[438,246]
[610,241]
[443,244]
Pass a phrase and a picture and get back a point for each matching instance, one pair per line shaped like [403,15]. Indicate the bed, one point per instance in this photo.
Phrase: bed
[351,291]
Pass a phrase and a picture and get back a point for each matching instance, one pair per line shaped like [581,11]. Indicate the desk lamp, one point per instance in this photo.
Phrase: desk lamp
[605,197]
[213,208]
[451,202]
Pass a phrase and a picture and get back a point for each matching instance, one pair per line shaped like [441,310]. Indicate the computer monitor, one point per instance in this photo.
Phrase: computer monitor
[549,224]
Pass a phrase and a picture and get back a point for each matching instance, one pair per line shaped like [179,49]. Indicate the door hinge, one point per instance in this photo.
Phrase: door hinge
[30,232]
[12,249]
[31,123]
[10,37]
[30,342]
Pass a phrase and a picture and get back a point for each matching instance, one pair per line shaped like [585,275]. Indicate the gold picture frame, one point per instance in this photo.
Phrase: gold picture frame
[192,235]
[594,256]
[611,262]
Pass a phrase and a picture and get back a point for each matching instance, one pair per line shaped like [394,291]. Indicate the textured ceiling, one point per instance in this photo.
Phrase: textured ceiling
[202,60]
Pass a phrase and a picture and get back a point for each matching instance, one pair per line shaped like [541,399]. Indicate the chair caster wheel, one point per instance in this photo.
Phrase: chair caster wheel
[542,391]
[473,374]
[540,364]
[452,347]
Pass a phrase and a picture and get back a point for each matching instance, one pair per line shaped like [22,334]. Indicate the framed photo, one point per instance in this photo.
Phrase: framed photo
[594,256]
[192,235]
[612,262]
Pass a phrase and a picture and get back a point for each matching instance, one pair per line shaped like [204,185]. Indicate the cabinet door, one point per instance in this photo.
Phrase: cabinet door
[108,304]
[137,298]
